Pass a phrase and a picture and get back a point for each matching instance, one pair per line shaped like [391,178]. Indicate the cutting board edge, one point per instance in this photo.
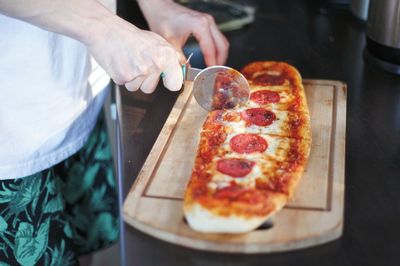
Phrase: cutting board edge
[331,234]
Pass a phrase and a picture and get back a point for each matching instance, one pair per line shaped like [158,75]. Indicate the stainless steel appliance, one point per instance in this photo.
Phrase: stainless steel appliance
[383,34]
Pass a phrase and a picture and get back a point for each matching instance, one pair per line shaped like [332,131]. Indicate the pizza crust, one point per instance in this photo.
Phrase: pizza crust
[203,220]
[209,220]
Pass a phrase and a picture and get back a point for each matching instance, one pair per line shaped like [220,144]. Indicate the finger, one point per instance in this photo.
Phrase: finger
[221,44]
[181,56]
[206,42]
[150,83]
[173,77]
[135,84]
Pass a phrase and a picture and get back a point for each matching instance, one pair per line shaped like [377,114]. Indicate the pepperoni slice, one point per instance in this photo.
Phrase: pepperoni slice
[269,80]
[235,167]
[265,96]
[226,89]
[248,143]
[258,116]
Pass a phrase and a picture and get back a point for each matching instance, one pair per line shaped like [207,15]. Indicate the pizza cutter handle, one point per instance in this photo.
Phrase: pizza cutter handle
[184,72]
[184,68]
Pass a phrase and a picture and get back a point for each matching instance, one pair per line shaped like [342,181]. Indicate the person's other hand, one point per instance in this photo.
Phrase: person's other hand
[176,23]
[136,58]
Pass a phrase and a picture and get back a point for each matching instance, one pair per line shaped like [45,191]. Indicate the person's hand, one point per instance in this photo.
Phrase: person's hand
[136,58]
[132,57]
[176,23]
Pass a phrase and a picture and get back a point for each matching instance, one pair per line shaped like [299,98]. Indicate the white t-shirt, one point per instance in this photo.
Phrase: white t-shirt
[51,92]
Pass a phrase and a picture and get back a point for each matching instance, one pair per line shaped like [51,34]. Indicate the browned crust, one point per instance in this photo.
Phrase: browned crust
[253,203]
[270,195]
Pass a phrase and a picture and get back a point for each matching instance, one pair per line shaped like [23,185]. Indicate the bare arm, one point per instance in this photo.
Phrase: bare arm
[129,55]
[81,20]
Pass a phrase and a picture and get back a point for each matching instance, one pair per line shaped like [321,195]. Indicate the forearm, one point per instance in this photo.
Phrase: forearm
[148,5]
[79,19]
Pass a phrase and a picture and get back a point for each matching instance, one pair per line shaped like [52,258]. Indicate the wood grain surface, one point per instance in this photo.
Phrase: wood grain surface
[313,216]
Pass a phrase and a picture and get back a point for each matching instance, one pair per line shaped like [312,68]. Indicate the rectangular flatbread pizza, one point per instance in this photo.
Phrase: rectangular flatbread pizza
[250,158]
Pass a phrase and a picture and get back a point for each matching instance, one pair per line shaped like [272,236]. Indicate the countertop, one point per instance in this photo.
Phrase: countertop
[323,41]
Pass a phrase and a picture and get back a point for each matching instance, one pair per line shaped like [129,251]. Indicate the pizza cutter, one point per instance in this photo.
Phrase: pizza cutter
[217,87]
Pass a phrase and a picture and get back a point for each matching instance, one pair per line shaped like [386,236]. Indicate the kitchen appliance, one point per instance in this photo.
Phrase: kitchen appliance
[383,34]
[360,9]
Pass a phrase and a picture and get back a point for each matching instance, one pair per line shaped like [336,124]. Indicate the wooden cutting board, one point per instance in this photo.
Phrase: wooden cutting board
[313,216]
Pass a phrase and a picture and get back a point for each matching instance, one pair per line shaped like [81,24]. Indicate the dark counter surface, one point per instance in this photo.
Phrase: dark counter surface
[324,41]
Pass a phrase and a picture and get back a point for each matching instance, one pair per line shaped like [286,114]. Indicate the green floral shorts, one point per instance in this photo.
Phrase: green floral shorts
[52,217]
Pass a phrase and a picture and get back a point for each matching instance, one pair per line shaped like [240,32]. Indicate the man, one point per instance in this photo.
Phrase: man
[57,196]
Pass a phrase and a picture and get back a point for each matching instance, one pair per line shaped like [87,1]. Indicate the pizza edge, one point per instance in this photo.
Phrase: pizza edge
[207,220]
